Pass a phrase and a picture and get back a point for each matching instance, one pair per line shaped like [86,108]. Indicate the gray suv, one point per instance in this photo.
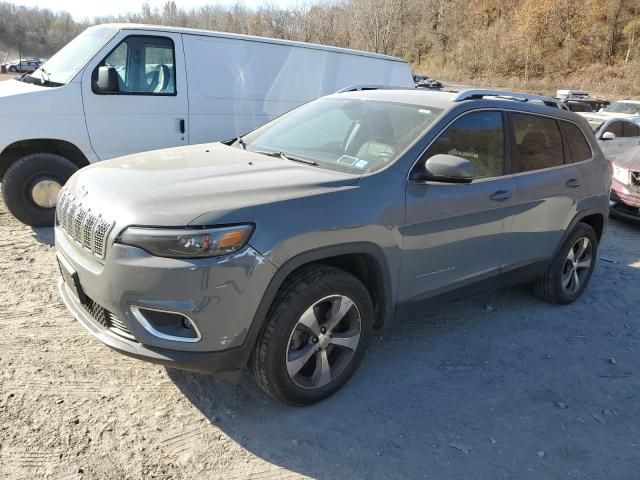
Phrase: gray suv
[284,249]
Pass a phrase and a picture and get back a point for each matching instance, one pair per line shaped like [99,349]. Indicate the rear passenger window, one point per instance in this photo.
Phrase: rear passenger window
[477,137]
[538,143]
[630,130]
[578,145]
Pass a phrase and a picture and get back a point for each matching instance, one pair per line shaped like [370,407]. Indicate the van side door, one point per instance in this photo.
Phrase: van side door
[149,109]
[456,234]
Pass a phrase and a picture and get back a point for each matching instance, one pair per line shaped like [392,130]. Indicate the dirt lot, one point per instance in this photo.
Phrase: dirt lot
[501,387]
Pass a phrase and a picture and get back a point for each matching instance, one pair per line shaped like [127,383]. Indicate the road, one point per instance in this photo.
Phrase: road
[495,387]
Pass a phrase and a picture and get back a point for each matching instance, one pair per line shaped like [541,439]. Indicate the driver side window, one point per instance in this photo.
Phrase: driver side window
[477,137]
[145,65]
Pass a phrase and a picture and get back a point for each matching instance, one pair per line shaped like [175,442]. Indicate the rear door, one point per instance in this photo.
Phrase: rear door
[150,110]
[456,234]
[548,182]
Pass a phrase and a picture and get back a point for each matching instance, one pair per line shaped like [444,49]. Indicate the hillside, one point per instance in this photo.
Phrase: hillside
[531,44]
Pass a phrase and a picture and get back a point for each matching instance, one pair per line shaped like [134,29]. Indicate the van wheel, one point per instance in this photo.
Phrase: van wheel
[315,336]
[31,185]
[570,272]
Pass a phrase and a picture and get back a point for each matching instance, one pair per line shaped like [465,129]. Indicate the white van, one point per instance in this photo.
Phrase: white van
[122,88]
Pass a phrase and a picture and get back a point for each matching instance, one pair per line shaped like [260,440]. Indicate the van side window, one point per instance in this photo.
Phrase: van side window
[477,137]
[538,143]
[578,145]
[145,65]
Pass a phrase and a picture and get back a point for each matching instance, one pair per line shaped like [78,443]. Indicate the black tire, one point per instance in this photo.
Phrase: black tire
[268,361]
[550,287]
[20,178]
[12,69]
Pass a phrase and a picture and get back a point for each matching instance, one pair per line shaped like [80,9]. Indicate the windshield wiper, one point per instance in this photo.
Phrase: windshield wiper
[286,156]
[241,142]
[44,81]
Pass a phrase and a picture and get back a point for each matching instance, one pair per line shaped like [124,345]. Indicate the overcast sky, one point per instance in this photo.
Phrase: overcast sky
[81,9]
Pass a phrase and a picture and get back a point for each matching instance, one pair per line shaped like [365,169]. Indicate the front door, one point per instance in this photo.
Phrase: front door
[456,234]
[150,109]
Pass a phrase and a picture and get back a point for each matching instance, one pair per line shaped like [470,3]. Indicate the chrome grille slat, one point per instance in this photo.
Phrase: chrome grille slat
[89,229]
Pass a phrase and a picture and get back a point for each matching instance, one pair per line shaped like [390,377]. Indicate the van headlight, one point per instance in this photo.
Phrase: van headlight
[187,242]
[622,175]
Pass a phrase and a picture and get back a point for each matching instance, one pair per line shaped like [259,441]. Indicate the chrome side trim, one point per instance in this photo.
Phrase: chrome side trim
[139,316]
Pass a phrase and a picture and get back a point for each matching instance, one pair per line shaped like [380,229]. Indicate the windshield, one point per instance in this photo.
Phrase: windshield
[64,65]
[624,107]
[348,134]
[595,123]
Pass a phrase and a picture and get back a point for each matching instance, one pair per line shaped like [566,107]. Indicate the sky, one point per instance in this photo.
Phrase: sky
[82,9]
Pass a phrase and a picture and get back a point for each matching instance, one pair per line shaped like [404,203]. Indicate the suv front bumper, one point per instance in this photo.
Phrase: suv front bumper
[220,295]
[203,362]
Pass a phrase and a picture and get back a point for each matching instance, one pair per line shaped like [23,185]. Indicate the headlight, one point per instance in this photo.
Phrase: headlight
[622,175]
[188,242]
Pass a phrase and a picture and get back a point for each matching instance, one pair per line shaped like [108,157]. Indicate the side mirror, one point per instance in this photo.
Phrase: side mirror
[448,168]
[608,136]
[107,81]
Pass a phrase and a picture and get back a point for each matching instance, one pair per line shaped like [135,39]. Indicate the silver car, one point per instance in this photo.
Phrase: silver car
[283,250]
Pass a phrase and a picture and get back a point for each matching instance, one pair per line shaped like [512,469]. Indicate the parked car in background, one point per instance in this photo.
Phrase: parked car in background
[620,127]
[154,87]
[422,81]
[619,139]
[624,108]
[285,248]
[581,101]
[23,66]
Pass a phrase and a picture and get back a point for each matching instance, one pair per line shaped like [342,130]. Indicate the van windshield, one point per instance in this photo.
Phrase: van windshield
[64,65]
[348,134]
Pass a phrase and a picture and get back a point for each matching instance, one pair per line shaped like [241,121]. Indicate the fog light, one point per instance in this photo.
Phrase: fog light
[173,326]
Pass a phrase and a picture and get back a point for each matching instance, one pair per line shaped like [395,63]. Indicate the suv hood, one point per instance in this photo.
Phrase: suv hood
[173,187]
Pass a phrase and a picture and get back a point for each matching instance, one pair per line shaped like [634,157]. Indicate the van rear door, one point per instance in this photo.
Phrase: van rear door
[149,111]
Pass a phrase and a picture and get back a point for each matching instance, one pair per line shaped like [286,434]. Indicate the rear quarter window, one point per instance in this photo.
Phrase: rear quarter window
[579,149]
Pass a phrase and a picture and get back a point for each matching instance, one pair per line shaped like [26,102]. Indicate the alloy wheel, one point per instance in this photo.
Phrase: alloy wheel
[577,265]
[323,341]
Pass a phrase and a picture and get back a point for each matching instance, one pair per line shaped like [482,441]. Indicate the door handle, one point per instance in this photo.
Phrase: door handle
[573,183]
[182,130]
[500,196]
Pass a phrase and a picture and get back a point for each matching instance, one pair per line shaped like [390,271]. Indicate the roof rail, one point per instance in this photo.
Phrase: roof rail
[476,94]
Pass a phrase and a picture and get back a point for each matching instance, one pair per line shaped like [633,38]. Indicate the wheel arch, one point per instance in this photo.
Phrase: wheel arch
[19,149]
[364,260]
[596,218]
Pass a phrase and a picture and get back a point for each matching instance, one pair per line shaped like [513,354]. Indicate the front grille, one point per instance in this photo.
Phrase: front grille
[86,227]
[635,180]
[105,318]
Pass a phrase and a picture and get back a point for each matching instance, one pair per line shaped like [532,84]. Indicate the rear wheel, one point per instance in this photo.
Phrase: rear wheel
[315,336]
[31,185]
[570,272]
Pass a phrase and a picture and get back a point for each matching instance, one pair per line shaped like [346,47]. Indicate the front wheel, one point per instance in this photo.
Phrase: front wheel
[315,336]
[13,69]
[31,185]
[570,272]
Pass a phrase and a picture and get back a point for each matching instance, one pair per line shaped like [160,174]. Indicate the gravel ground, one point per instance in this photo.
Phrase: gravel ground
[494,387]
